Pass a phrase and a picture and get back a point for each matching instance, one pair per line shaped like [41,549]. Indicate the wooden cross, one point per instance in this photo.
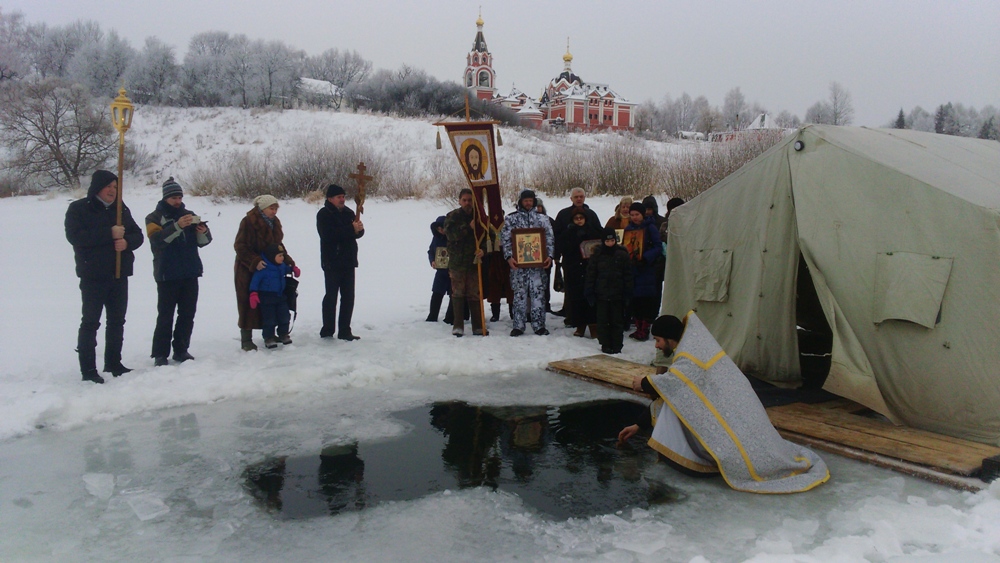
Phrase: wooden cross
[361,179]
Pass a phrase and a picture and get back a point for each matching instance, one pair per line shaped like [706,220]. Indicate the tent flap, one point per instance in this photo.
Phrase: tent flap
[910,287]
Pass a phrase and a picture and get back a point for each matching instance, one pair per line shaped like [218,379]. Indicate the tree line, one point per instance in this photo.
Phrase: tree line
[952,119]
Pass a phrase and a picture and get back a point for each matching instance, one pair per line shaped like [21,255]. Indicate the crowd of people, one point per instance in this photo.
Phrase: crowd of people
[607,287]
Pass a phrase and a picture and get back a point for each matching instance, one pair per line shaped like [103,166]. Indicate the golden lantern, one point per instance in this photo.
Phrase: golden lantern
[121,117]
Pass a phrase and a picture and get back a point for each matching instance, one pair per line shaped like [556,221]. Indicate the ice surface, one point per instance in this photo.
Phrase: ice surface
[101,485]
[147,507]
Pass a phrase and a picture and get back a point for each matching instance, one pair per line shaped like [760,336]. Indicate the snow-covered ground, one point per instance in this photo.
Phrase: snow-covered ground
[101,472]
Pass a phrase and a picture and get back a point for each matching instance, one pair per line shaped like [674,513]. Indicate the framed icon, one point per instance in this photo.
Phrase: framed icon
[528,247]
[633,243]
[441,258]
[588,247]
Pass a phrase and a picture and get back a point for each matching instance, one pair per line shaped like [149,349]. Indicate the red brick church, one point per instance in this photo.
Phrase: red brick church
[567,103]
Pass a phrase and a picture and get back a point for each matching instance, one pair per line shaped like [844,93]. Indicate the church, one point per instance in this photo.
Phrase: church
[567,103]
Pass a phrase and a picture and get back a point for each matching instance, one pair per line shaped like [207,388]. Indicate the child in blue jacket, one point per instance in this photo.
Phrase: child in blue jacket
[267,291]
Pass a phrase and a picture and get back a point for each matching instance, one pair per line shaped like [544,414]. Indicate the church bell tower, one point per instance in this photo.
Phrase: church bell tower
[479,75]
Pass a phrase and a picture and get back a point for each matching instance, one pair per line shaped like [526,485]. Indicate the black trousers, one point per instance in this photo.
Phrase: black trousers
[182,296]
[610,323]
[111,297]
[342,282]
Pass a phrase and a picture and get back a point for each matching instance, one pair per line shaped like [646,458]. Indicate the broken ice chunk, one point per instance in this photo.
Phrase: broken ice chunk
[101,485]
[147,507]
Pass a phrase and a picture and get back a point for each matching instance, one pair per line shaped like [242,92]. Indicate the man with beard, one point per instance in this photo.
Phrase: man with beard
[175,235]
[463,253]
[528,283]
[339,231]
[474,162]
[92,229]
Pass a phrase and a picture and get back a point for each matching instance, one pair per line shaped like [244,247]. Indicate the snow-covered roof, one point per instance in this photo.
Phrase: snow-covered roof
[763,121]
[313,86]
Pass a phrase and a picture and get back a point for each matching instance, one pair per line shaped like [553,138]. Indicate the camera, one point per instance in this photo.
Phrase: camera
[195,219]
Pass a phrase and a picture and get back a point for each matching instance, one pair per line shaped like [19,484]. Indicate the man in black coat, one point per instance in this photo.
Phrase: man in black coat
[339,231]
[563,220]
[175,235]
[91,229]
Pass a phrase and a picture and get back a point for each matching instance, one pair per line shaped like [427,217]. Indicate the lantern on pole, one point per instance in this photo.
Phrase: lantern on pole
[121,117]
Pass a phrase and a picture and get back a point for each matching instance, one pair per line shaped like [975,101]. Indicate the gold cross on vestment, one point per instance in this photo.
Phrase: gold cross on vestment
[361,179]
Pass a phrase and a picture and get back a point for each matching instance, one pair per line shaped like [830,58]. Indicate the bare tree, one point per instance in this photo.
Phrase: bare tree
[239,69]
[820,112]
[342,69]
[276,70]
[13,46]
[735,109]
[54,131]
[153,77]
[841,108]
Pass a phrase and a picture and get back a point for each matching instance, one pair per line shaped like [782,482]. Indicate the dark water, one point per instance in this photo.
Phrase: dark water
[563,461]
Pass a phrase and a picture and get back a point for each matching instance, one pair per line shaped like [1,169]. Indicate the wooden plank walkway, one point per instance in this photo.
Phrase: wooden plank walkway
[832,426]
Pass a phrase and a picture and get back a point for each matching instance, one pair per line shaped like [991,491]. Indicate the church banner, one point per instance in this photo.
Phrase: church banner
[474,145]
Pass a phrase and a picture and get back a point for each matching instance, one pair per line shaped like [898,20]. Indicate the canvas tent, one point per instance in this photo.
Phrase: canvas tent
[898,233]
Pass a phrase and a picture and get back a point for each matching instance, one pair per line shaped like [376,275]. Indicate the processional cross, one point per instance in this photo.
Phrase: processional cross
[361,179]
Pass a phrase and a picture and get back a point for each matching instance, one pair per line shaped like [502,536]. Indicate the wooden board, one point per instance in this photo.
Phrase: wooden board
[953,455]
[603,369]
[832,426]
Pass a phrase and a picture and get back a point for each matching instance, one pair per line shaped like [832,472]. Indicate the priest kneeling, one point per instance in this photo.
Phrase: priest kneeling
[706,418]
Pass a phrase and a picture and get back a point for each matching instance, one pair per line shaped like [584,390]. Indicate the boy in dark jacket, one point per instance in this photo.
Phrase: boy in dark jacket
[442,282]
[175,235]
[608,288]
[267,291]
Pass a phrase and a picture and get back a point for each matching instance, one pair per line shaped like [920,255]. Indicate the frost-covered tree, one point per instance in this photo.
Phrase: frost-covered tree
[820,113]
[920,120]
[277,71]
[787,120]
[900,120]
[239,68]
[50,49]
[342,69]
[153,76]
[13,46]
[54,131]
[735,109]
[203,71]
[841,107]
[101,65]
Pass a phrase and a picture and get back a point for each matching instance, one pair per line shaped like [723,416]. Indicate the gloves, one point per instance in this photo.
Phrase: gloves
[296,271]
[254,300]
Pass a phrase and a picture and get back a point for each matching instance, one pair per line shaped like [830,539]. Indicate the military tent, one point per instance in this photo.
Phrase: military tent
[888,240]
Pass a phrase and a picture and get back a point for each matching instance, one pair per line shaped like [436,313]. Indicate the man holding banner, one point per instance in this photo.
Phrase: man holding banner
[463,255]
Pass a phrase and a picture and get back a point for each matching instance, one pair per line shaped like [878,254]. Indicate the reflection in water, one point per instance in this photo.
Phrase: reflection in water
[563,461]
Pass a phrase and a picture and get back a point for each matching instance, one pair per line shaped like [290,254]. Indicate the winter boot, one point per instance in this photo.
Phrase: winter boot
[287,338]
[449,313]
[270,343]
[246,340]
[92,375]
[580,331]
[495,309]
[458,317]
[436,299]
[593,331]
[641,330]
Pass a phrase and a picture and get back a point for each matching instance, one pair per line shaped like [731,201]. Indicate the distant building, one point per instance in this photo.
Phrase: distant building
[567,102]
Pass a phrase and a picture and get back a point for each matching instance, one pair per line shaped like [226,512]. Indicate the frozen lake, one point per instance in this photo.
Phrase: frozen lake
[170,485]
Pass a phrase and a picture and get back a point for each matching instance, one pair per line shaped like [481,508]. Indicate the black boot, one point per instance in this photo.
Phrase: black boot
[436,299]
[495,308]
[449,313]
[92,375]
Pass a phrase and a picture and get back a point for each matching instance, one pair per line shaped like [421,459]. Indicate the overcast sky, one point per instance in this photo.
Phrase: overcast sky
[782,54]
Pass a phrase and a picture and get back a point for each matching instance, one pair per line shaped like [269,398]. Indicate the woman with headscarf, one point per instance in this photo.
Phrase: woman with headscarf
[620,219]
[260,228]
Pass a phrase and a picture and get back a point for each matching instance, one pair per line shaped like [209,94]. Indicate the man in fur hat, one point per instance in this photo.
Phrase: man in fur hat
[92,229]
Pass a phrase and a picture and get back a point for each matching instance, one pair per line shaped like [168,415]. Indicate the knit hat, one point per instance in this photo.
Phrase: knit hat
[334,189]
[610,234]
[99,181]
[171,188]
[525,194]
[668,327]
[576,212]
[637,207]
[273,250]
[264,201]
